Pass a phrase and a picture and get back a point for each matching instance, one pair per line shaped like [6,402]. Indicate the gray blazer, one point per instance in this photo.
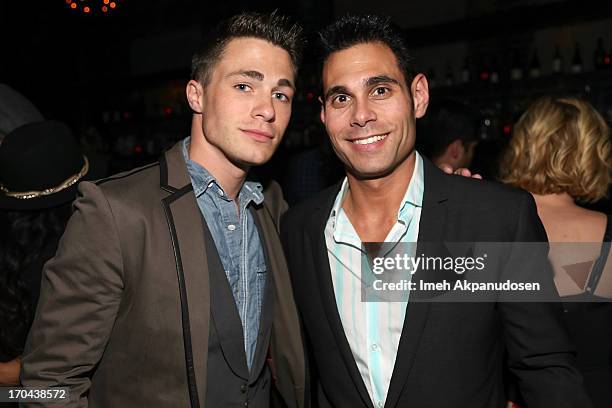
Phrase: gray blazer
[123,318]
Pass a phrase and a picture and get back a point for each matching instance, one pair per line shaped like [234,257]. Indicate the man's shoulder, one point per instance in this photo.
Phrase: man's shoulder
[484,192]
[301,212]
[133,188]
[138,178]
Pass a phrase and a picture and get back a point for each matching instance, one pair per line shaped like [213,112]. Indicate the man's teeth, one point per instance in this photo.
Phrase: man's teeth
[369,140]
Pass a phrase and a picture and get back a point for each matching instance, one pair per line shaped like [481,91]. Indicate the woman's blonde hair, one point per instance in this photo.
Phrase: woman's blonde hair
[560,145]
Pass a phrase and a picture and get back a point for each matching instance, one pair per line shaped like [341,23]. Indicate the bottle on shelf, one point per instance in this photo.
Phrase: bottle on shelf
[449,79]
[557,62]
[516,72]
[465,71]
[599,55]
[535,68]
[576,66]
[483,72]
[494,77]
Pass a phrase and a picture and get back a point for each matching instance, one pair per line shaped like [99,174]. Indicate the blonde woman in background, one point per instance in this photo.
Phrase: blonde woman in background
[561,152]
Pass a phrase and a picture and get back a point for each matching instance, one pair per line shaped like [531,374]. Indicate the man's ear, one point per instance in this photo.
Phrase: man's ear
[195,96]
[322,113]
[420,95]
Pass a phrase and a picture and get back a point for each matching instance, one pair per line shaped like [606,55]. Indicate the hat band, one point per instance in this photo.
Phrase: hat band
[26,195]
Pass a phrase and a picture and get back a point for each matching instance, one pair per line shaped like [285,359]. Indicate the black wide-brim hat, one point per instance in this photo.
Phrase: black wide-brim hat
[40,167]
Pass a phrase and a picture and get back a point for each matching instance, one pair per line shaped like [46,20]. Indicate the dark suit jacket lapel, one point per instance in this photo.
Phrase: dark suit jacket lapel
[265,322]
[186,232]
[318,247]
[286,348]
[431,230]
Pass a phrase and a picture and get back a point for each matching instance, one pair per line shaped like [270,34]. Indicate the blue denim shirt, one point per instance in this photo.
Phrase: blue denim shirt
[237,241]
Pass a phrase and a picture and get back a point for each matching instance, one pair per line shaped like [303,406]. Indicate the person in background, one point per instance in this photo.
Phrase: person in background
[448,134]
[561,152]
[40,167]
[311,171]
[15,110]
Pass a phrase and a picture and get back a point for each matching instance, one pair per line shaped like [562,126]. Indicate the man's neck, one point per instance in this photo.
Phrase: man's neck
[372,205]
[229,176]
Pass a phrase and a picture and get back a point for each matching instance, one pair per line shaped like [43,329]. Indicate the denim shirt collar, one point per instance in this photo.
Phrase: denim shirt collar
[202,181]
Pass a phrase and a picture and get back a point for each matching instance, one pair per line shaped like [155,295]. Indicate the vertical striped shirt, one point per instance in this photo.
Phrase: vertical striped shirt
[373,329]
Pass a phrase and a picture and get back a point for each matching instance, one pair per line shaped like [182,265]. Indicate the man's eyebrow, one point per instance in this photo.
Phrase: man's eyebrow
[371,81]
[260,77]
[380,79]
[285,82]
[338,89]
[251,74]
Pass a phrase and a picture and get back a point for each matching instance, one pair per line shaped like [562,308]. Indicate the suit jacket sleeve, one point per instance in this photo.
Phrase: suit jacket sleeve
[540,353]
[80,295]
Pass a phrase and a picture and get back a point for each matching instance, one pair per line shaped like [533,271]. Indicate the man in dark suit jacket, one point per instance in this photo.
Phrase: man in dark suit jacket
[169,287]
[414,353]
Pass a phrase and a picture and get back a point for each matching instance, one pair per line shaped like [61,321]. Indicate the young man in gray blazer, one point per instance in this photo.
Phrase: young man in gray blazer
[169,286]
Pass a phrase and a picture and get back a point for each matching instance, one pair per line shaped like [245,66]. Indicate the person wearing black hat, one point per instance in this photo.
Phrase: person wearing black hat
[40,167]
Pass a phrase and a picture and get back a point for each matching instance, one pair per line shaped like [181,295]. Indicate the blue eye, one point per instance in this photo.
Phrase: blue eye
[281,96]
[242,87]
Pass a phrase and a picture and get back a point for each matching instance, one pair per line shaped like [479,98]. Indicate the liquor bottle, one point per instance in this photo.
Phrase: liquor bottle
[483,73]
[557,62]
[494,77]
[534,67]
[576,67]
[599,55]
[465,71]
[516,72]
[449,80]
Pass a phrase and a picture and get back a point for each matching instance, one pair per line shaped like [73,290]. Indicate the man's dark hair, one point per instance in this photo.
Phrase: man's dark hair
[446,121]
[274,28]
[352,30]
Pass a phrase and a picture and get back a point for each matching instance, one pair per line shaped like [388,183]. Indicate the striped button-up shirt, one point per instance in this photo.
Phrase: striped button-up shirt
[373,329]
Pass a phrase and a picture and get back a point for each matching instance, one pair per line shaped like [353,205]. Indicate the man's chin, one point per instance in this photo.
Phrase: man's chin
[245,163]
[369,174]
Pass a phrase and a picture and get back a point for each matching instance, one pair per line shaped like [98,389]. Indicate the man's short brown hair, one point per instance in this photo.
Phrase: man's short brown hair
[273,27]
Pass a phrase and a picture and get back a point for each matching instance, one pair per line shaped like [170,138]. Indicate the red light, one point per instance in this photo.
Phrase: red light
[86,9]
[106,1]
[104,9]
[73,5]
[138,149]
[113,5]
[310,96]
[607,60]
[507,129]
[484,76]
[68,1]
[168,110]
